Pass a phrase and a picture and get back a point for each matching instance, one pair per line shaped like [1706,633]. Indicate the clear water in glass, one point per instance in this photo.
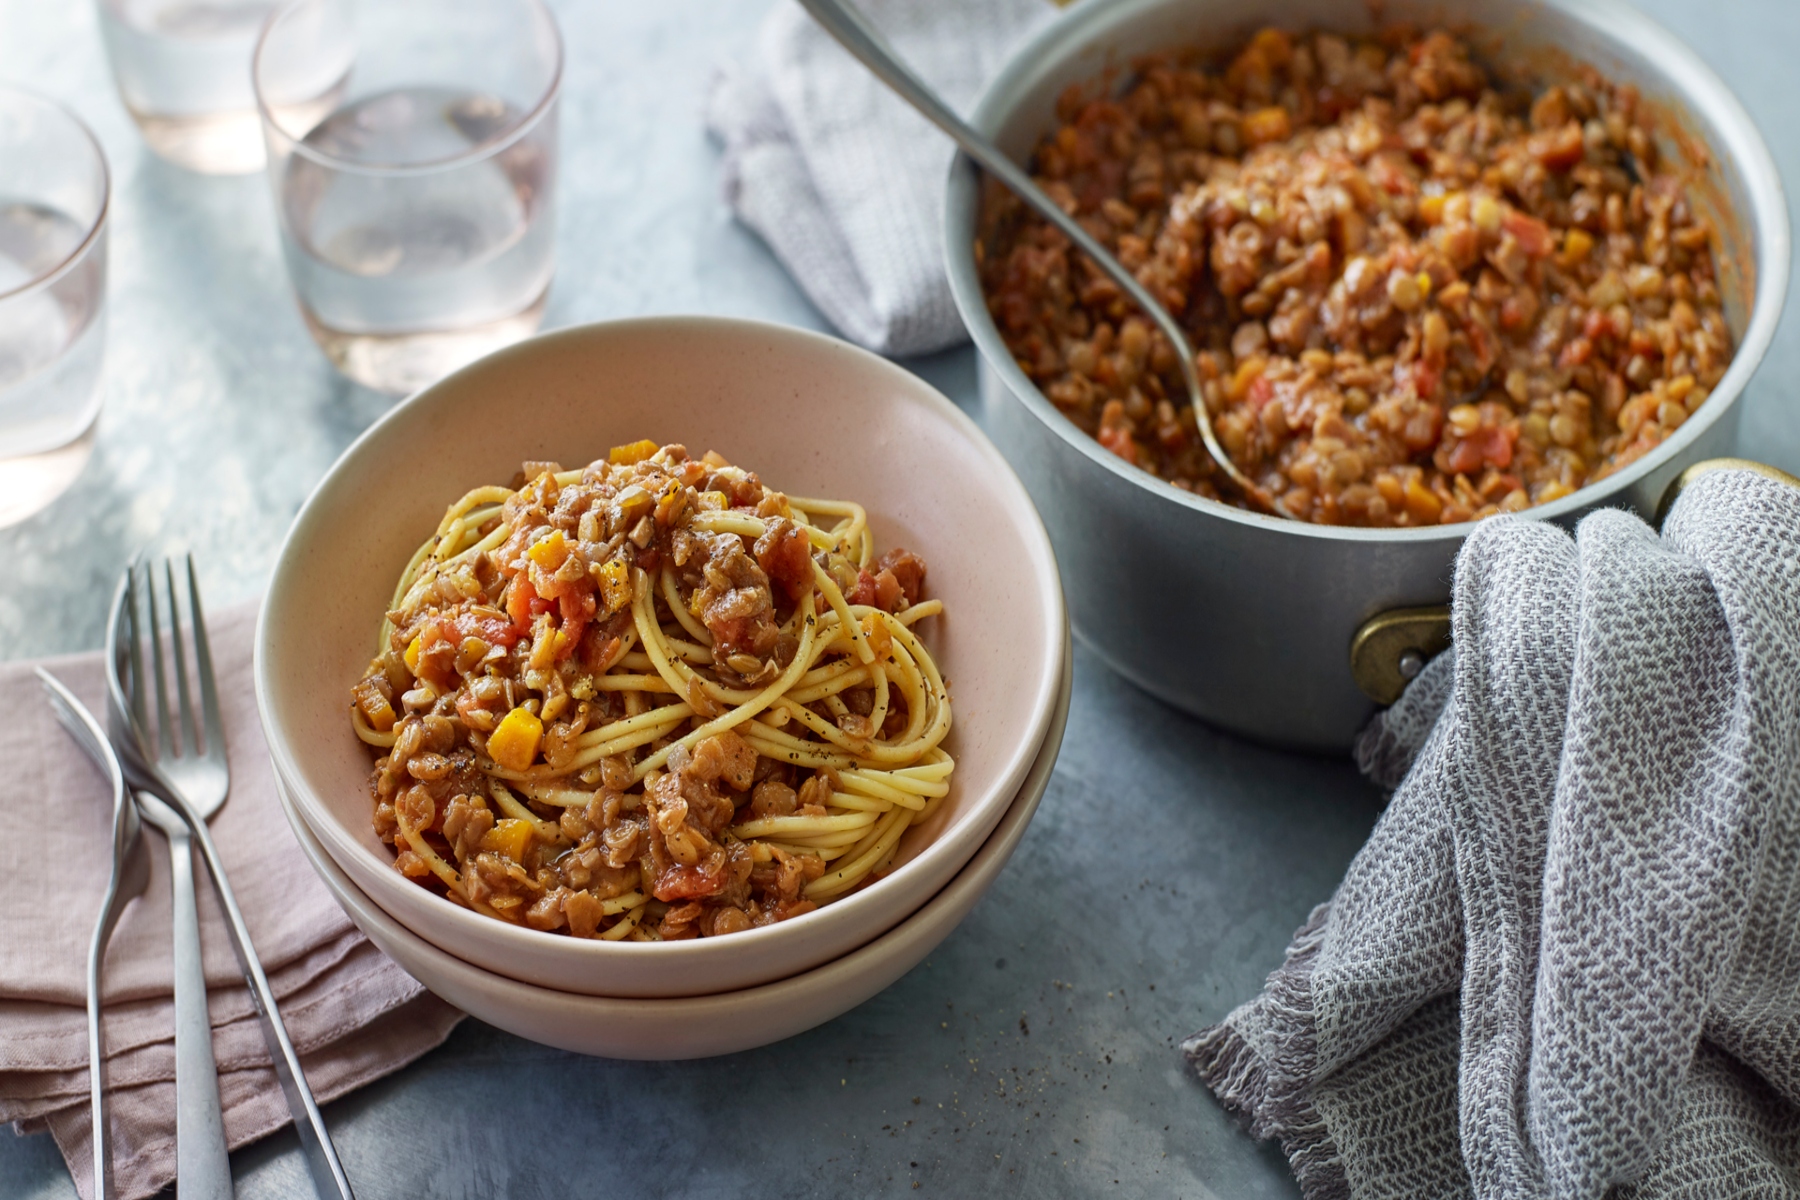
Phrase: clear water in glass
[405,272]
[51,342]
[183,70]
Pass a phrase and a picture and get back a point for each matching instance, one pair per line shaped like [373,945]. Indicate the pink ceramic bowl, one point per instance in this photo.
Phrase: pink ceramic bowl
[813,416]
[696,1026]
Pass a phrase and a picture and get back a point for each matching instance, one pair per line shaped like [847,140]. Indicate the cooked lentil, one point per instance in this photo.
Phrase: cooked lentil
[1416,298]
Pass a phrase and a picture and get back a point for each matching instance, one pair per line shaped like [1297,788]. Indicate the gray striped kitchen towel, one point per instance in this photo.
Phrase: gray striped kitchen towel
[1567,962]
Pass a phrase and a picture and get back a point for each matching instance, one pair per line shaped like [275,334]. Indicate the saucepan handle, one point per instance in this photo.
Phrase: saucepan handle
[1392,647]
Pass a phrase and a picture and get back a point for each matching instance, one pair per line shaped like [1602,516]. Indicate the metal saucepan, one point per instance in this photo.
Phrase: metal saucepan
[1246,620]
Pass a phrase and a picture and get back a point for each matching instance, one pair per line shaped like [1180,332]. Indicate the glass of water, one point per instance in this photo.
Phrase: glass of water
[412,151]
[53,202]
[183,70]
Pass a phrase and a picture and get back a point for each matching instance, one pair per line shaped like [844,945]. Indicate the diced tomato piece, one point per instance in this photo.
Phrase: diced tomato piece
[1496,446]
[785,552]
[908,568]
[491,630]
[1426,378]
[1119,442]
[576,607]
[1577,352]
[1480,344]
[1389,178]
[864,592]
[577,610]
[434,664]
[1559,149]
[677,882]
[1492,446]
[1533,235]
[519,598]
[888,592]
[1465,457]
[1421,430]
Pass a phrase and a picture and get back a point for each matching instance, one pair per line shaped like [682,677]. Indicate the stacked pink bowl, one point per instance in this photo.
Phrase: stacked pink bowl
[812,416]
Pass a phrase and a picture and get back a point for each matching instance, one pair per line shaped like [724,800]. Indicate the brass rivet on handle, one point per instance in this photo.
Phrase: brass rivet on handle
[1392,647]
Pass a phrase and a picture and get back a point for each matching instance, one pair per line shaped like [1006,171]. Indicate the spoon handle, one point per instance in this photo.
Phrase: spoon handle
[126,882]
[865,44]
[116,899]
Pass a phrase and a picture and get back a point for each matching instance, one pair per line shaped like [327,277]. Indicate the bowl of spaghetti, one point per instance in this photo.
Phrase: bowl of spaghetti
[661,657]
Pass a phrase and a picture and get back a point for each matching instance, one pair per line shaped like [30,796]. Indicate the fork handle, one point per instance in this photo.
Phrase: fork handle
[329,1180]
[202,1159]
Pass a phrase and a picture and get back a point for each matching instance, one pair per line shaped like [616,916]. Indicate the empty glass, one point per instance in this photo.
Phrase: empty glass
[53,199]
[183,70]
[412,151]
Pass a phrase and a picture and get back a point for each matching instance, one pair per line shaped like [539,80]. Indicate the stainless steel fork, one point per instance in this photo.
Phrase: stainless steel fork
[202,1156]
[130,873]
[181,759]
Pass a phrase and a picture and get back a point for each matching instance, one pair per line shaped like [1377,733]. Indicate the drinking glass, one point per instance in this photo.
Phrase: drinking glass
[412,151]
[53,202]
[183,70]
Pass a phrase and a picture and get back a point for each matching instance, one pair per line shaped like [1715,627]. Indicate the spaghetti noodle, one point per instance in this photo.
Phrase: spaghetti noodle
[652,699]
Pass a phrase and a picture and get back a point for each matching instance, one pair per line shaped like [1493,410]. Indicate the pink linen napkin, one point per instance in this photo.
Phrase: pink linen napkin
[353,1014]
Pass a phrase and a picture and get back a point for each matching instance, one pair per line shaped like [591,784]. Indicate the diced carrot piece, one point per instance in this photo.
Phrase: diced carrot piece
[1267,125]
[514,744]
[1248,372]
[636,452]
[615,585]
[509,837]
[1577,244]
[550,552]
[1422,502]
[378,712]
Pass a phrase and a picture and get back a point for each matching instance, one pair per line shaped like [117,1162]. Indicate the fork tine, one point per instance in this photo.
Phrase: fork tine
[138,712]
[187,729]
[164,727]
[209,693]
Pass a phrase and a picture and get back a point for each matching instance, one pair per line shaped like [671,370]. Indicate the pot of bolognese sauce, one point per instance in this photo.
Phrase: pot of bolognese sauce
[1441,263]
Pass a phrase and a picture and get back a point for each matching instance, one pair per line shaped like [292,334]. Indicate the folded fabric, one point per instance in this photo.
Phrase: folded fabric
[840,177]
[1568,958]
[352,1013]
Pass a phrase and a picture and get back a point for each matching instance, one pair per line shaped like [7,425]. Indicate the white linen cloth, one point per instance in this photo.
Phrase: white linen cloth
[840,177]
[1567,962]
[351,1012]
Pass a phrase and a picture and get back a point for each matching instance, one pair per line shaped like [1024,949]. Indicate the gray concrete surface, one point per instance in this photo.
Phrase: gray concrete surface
[1034,1052]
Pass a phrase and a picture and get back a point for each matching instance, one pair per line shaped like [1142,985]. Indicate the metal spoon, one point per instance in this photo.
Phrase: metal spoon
[858,37]
[130,874]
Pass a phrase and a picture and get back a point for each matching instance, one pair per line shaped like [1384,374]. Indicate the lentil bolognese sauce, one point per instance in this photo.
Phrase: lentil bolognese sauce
[652,699]
[1416,298]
